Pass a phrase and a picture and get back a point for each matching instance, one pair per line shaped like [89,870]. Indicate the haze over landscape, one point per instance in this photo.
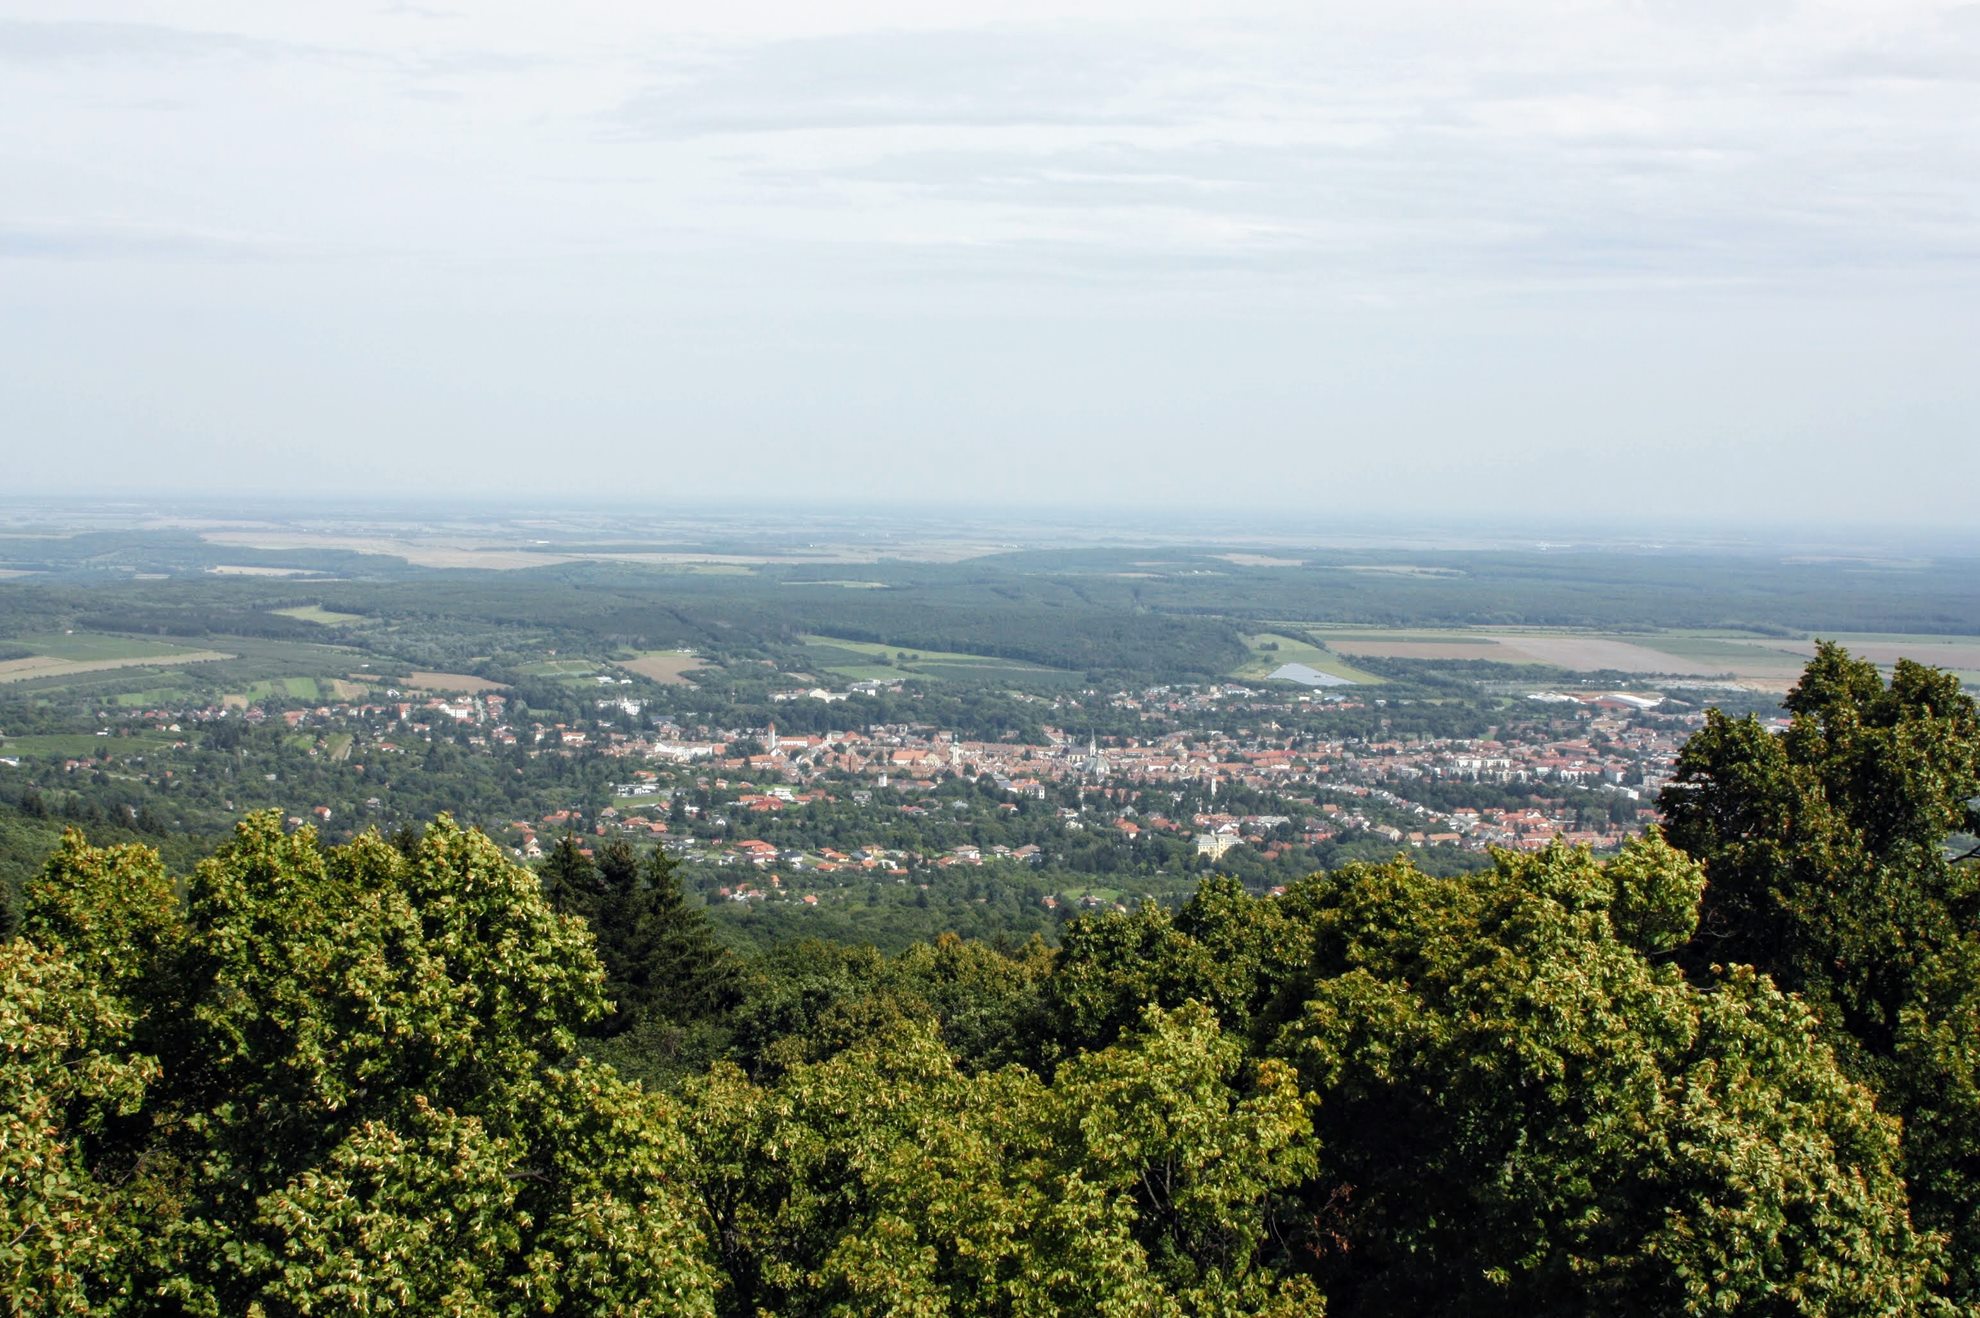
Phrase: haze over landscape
[1701,258]
[790,661]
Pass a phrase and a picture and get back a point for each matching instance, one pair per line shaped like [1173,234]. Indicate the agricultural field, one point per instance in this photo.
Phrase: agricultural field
[1261,560]
[866,661]
[1271,649]
[1961,654]
[22,670]
[668,667]
[96,645]
[150,696]
[254,570]
[80,745]
[1763,663]
[294,688]
[318,614]
[1401,569]
[72,653]
[680,566]
[426,681]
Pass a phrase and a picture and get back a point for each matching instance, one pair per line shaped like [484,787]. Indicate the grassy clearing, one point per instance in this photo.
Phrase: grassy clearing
[561,668]
[669,667]
[25,670]
[1563,648]
[1294,650]
[158,695]
[83,745]
[1955,652]
[100,645]
[108,665]
[1710,647]
[1002,674]
[296,688]
[1098,894]
[318,614]
[1330,631]
[859,661]
[426,681]
[866,672]
[874,649]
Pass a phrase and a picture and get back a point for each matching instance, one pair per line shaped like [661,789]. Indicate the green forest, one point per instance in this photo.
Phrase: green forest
[1734,1069]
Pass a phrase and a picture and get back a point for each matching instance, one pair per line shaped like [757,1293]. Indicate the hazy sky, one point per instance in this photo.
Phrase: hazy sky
[1669,256]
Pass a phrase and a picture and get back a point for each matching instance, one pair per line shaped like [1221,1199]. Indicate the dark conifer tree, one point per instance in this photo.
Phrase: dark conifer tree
[571,882]
[695,972]
[659,950]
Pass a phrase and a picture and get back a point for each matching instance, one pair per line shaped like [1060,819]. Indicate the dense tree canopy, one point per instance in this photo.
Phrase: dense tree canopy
[1519,1107]
[355,1095]
[1825,849]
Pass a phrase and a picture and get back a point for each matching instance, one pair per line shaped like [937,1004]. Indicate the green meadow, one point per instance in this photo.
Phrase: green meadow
[1271,649]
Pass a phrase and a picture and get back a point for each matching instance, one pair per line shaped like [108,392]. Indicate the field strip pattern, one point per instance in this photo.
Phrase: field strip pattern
[22,670]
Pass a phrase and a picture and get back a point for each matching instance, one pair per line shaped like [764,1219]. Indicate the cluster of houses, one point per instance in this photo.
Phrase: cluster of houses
[1349,783]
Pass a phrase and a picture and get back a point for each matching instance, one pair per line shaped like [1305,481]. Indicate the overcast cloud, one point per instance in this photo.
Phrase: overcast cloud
[1684,257]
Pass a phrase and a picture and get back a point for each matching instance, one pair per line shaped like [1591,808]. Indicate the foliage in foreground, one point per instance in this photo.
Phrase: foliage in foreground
[365,1078]
[1826,847]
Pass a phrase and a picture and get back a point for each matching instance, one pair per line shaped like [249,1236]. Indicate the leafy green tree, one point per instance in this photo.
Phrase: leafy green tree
[114,912]
[883,1180]
[369,1104]
[1223,948]
[1204,1144]
[66,1072]
[1825,849]
[1825,845]
[986,1004]
[806,999]
[1524,1107]
[1936,1087]
[346,1079]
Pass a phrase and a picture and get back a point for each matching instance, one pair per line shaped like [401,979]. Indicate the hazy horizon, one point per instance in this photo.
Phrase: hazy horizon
[1031,524]
[1675,263]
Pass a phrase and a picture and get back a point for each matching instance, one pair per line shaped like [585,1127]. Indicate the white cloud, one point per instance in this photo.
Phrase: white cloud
[514,197]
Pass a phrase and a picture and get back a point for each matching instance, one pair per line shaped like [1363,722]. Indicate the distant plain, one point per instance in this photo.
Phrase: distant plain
[1756,662]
